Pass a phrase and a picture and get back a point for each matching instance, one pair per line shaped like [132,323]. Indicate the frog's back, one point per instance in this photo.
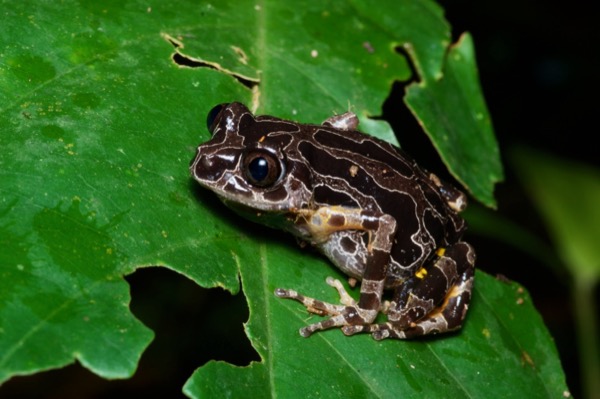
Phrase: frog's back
[375,173]
[355,170]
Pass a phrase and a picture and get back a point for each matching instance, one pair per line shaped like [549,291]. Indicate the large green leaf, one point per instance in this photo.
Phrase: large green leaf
[503,345]
[98,127]
[101,107]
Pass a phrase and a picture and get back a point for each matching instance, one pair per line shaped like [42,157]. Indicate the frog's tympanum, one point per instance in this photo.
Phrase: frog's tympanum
[378,216]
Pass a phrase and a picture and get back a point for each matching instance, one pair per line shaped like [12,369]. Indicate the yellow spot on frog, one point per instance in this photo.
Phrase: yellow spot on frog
[440,252]
[421,273]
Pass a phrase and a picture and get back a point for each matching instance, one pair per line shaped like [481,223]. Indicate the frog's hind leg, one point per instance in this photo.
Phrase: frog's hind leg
[434,301]
[449,316]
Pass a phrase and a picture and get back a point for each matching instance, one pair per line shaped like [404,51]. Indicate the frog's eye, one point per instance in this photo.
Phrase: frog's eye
[262,168]
[213,116]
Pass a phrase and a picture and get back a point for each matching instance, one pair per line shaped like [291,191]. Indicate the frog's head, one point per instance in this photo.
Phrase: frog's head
[247,163]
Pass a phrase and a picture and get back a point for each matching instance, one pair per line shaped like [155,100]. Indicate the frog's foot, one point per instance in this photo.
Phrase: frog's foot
[346,314]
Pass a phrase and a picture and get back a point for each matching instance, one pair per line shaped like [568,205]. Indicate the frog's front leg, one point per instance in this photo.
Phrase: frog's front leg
[349,313]
[322,224]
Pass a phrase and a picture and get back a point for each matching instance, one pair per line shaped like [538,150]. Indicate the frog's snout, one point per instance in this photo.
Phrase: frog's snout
[210,167]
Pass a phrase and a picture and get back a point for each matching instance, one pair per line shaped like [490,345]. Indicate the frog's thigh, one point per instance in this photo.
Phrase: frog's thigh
[428,287]
[447,316]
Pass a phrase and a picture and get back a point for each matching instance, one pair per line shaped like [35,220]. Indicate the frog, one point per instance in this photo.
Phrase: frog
[365,204]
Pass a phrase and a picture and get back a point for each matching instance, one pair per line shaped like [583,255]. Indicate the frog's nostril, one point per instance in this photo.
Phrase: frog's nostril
[206,161]
[208,167]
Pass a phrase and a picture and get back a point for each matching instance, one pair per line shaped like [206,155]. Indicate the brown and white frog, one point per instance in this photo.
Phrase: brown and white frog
[367,206]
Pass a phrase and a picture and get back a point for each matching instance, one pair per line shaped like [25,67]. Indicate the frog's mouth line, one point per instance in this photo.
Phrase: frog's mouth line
[271,218]
[245,209]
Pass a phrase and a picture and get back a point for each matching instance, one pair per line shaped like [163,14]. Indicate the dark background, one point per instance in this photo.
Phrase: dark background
[538,68]
[539,74]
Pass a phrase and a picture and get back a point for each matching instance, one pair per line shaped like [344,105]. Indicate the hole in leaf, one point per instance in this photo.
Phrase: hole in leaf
[189,62]
[192,325]
[410,134]
[185,61]
[405,125]
[403,51]
[413,140]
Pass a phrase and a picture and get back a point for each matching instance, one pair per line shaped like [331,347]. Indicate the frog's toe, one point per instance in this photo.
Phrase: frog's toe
[333,321]
[351,330]
[283,293]
[312,305]
[306,332]
[345,298]
[378,331]
[379,335]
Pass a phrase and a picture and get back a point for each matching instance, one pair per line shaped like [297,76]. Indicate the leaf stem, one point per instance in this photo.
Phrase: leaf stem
[587,331]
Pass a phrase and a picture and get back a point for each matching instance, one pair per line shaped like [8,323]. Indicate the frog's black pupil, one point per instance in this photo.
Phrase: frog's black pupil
[258,168]
[212,116]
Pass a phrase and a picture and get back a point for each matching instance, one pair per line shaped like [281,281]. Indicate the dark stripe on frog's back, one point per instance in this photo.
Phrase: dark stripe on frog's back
[324,194]
[333,168]
[377,153]
[370,147]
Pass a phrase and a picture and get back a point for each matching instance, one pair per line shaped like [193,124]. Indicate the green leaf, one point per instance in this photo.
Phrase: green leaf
[447,100]
[54,307]
[503,343]
[451,108]
[99,126]
[102,105]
